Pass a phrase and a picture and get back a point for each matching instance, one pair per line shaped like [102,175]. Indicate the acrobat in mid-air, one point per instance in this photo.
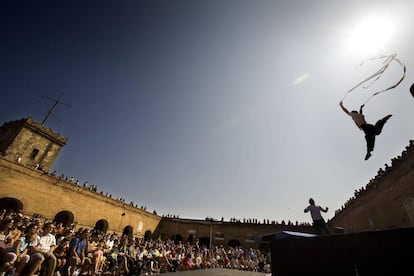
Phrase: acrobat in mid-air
[370,130]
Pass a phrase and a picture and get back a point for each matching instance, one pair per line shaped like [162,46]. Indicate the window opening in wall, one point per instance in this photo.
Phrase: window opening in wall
[219,236]
[128,231]
[250,238]
[101,226]
[34,154]
[64,217]
[10,203]
[233,243]
[147,235]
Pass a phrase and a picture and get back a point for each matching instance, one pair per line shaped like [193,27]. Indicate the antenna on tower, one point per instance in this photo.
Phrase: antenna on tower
[57,101]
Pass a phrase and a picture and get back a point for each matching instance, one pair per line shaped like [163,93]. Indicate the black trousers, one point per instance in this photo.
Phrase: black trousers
[320,227]
[371,131]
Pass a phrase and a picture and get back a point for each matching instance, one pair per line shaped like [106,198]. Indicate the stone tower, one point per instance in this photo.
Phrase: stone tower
[30,143]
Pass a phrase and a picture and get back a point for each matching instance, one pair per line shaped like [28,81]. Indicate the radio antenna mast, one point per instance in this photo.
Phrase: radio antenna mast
[57,101]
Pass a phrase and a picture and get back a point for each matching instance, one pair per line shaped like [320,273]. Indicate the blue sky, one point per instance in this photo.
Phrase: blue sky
[209,108]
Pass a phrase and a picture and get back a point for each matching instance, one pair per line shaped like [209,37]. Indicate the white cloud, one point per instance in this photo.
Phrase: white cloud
[301,79]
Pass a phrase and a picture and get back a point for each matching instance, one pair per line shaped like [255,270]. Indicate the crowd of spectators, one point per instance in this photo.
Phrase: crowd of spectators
[249,221]
[267,221]
[31,245]
[262,222]
[376,181]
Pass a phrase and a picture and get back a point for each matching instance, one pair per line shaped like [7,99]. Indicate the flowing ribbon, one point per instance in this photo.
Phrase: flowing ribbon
[374,77]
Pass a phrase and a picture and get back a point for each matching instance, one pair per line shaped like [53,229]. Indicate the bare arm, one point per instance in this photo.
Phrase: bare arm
[73,252]
[16,247]
[52,248]
[360,109]
[343,108]
[323,210]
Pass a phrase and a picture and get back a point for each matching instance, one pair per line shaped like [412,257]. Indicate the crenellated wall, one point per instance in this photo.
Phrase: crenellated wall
[31,143]
[386,202]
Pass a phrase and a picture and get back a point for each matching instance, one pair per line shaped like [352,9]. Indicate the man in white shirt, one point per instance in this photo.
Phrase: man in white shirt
[318,222]
[110,242]
[46,244]
[370,130]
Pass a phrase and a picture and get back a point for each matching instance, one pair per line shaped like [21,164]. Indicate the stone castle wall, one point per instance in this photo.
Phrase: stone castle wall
[21,147]
[386,202]
[30,142]
[222,232]
[47,195]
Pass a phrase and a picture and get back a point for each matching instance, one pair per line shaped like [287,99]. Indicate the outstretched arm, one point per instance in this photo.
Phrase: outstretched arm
[360,109]
[343,107]
[323,210]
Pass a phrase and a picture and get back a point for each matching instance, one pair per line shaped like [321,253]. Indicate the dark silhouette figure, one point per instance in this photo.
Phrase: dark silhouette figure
[370,130]
[319,223]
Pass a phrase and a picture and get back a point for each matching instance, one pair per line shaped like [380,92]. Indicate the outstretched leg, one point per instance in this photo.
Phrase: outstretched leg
[369,131]
[370,145]
[380,124]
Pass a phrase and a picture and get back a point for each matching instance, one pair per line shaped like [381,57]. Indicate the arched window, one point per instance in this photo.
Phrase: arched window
[147,235]
[233,243]
[128,231]
[10,203]
[177,238]
[191,238]
[204,241]
[64,217]
[34,154]
[101,226]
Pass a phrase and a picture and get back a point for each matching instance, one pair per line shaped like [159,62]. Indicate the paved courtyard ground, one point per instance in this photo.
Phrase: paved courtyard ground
[217,272]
